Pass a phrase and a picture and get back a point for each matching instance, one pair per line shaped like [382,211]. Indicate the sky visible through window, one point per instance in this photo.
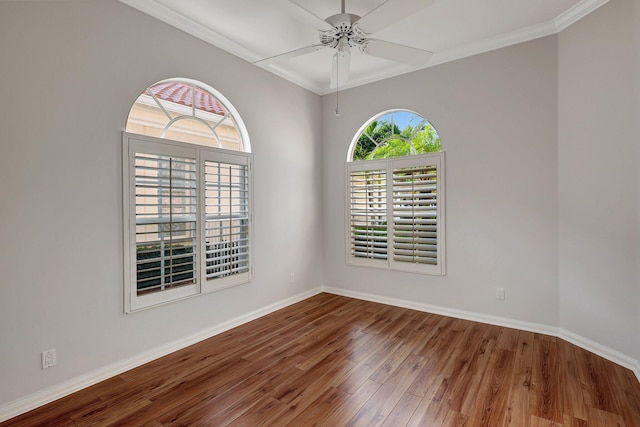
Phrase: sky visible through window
[402,118]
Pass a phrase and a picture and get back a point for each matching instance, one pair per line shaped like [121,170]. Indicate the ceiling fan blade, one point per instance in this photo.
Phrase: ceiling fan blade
[321,23]
[290,54]
[390,12]
[340,68]
[397,52]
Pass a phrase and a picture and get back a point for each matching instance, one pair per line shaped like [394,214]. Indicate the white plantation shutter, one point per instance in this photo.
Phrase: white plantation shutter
[165,194]
[368,216]
[187,220]
[161,238]
[396,213]
[415,215]
[227,233]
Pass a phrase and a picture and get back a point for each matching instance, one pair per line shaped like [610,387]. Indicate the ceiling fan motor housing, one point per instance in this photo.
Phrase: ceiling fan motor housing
[344,31]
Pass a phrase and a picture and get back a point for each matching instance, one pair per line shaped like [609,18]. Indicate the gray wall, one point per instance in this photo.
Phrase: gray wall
[598,179]
[70,72]
[497,119]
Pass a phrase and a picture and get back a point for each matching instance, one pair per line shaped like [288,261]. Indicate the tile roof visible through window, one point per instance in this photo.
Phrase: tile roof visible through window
[187,111]
[182,93]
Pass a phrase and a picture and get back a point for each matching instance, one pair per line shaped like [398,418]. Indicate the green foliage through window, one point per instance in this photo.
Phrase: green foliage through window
[396,134]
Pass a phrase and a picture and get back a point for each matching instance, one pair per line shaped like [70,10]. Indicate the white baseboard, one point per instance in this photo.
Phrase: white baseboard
[602,351]
[592,346]
[20,406]
[444,311]
[58,391]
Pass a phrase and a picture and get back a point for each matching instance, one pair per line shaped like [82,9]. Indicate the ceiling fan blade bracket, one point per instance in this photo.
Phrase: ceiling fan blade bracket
[328,38]
[363,47]
[358,37]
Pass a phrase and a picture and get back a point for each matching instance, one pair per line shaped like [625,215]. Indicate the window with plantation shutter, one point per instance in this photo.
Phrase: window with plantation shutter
[395,195]
[186,195]
[188,220]
[395,213]
[226,220]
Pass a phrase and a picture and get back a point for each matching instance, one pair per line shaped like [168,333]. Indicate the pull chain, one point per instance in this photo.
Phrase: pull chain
[338,82]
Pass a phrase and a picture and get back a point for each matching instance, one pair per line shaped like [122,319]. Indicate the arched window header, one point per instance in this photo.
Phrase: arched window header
[189,111]
[395,133]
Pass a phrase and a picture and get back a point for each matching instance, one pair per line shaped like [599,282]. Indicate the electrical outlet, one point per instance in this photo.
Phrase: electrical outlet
[499,293]
[48,358]
[292,277]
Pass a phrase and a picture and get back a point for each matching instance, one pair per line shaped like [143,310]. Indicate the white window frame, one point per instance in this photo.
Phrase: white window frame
[134,143]
[388,166]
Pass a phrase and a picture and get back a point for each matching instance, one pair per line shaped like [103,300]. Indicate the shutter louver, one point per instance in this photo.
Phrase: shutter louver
[165,204]
[227,219]
[368,214]
[415,219]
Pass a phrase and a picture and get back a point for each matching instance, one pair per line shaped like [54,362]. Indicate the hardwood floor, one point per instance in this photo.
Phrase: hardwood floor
[336,361]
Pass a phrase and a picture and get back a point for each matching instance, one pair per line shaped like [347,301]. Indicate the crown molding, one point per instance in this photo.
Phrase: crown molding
[189,26]
[576,13]
[493,43]
[297,79]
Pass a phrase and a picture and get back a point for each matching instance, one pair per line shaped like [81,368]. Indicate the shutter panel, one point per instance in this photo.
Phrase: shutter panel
[165,222]
[227,219]
[368,214]
[415,214]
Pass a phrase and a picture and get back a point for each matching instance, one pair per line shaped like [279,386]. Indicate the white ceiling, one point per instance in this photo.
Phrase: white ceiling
[452,29]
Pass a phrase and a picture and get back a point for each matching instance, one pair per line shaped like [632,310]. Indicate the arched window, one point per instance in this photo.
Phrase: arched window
[188,111]
[395,133]
[187,194]
[395,183]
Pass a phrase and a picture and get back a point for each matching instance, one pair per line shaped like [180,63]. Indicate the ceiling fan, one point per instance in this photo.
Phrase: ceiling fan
[345,30]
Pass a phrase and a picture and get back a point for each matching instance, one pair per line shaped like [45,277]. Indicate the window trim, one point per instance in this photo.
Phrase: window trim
[389,165]
[132,143]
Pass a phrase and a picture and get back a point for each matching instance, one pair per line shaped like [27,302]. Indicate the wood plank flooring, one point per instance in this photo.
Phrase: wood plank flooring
[337,361]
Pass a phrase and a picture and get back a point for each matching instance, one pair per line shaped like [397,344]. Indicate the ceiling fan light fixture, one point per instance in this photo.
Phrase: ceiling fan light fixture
[343,45]
[340,67]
